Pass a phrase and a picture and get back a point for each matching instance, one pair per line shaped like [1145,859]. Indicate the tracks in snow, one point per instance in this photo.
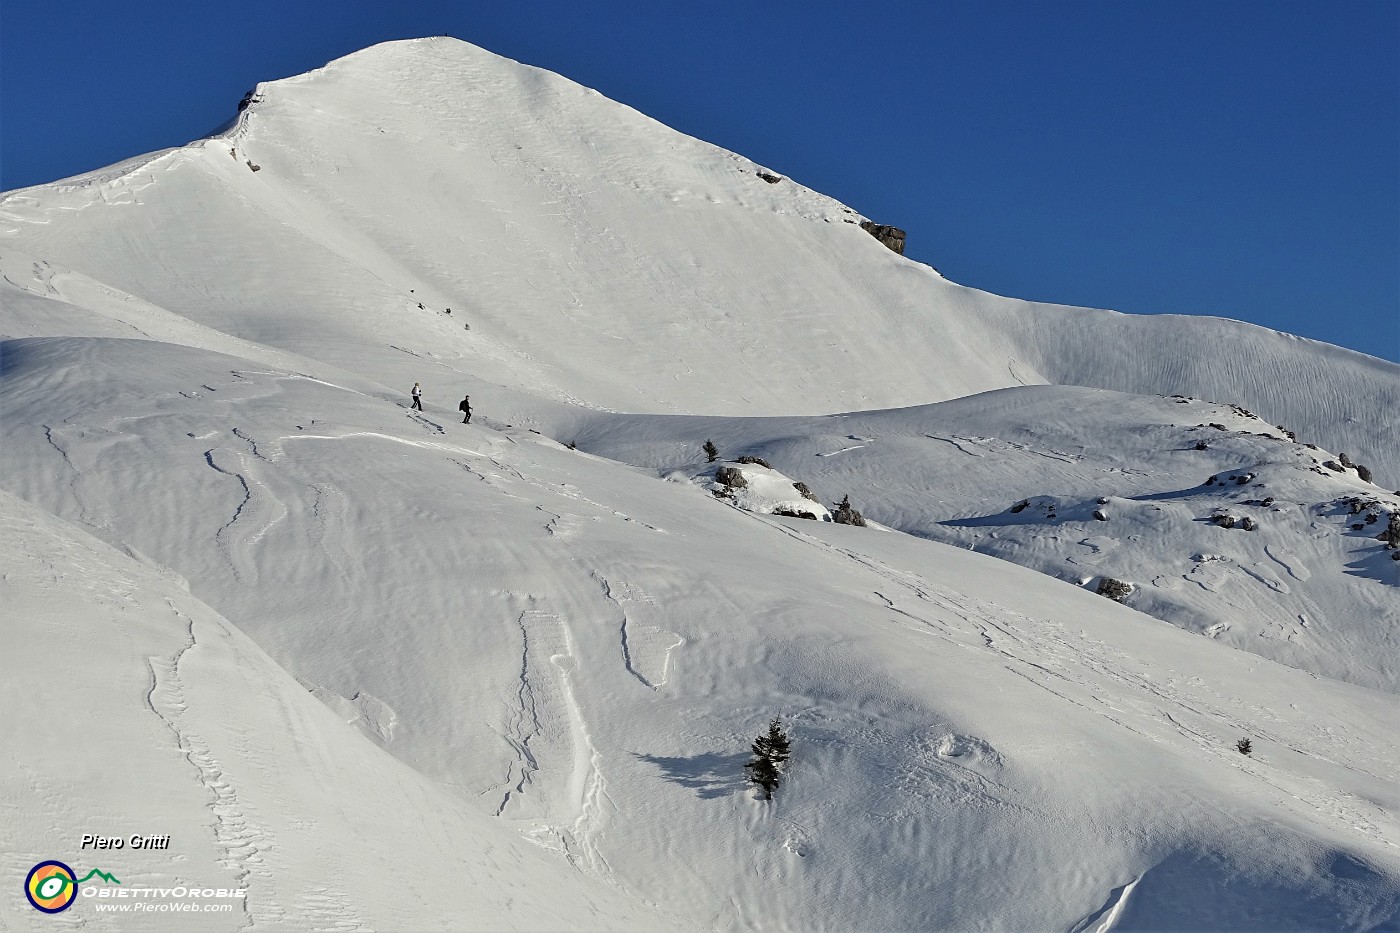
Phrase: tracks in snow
[252,519]
[646,649]
[242,842]
[556,785]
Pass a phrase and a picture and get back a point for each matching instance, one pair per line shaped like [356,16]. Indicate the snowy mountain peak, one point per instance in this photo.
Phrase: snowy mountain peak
[475,213]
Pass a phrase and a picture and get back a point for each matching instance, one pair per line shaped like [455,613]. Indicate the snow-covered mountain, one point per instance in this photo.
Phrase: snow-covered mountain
[601,258]
[386,670]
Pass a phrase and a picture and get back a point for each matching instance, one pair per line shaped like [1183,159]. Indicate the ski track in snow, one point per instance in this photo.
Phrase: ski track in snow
[244,845]
[539,729]
[252,519]
[250,849]
[555,787]
[565,491]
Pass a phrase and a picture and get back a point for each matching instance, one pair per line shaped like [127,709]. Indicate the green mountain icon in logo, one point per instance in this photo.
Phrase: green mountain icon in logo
[101,874]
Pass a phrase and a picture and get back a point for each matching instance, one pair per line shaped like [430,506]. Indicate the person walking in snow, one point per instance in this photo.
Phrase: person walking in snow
[417,396]
[465,407]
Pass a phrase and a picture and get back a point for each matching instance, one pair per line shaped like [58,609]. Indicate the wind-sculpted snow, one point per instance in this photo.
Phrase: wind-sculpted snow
[133,707]
[964,729]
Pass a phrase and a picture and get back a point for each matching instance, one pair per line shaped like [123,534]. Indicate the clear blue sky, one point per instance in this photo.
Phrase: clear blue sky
[1230,158]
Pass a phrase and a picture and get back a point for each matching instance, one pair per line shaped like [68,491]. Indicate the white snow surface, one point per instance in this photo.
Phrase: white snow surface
[1309,586]
[389,671]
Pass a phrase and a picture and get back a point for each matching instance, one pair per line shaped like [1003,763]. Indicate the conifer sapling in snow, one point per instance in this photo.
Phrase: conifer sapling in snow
[711,451]
[764,773]
[1245,746]
[771,752]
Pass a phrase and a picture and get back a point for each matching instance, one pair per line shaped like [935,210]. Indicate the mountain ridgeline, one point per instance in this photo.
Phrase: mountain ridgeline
[370,197]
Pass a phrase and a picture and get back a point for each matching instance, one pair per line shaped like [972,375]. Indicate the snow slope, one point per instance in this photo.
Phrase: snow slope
[582,652]
[604,259]
[1309,586]
[390,671]
[134,708]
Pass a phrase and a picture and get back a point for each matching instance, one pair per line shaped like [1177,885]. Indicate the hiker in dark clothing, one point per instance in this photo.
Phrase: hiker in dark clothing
[417,396]
[466,409]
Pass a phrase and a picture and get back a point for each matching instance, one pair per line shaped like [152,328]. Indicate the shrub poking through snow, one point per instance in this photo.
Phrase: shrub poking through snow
[770,755]
[1115,590]
[846,515]
[1245,745]
[711,451]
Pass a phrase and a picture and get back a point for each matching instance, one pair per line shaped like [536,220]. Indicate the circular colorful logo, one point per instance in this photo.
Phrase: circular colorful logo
[51,887]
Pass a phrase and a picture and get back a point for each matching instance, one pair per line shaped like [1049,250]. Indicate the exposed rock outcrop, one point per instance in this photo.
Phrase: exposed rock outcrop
[893,237]
[1115,590]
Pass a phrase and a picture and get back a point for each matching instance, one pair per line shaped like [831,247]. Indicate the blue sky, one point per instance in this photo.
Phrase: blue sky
[1239,159]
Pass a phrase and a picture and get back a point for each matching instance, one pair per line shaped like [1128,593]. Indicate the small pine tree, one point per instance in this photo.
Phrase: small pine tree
[764,773]
[1245,746]
[775,745]
[770,755]
[711,451]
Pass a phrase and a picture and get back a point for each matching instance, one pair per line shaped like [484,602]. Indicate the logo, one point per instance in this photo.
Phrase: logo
[52,886]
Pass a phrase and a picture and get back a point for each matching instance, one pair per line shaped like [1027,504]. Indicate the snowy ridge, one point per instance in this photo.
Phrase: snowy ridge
[433,173]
